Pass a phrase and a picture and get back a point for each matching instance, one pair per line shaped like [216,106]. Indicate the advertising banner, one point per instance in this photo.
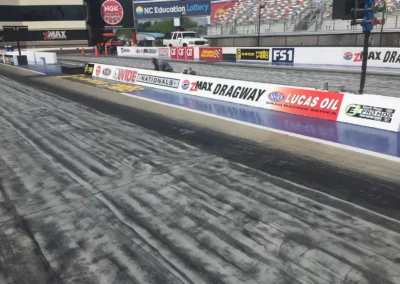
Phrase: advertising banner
[255,54]
[368,110]
[88,69]
[283,55]
[218,9]
[137,51]
[9,59]
[163,52]
[182,53]
[53,35]
[110,14]
[210,53]
[173,52]
[371,110]
[171,9]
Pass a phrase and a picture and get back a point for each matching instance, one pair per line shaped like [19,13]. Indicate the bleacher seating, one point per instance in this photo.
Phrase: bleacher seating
[243,14]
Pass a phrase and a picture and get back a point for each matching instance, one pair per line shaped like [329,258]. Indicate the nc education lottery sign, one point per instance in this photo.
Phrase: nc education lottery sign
[171,9]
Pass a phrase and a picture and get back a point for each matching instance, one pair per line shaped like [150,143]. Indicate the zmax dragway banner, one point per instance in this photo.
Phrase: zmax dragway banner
[372,110]
[172,9]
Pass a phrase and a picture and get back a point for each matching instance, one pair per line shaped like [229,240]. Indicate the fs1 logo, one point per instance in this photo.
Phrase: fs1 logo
[285,55]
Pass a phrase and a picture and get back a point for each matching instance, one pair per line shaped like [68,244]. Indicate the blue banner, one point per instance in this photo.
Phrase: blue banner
[156,10]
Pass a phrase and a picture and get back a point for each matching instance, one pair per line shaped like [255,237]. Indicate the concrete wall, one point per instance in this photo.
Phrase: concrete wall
[389,39]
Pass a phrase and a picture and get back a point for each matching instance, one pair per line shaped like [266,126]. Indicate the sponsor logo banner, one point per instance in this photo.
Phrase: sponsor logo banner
[313,103]
[54,35]
[319,104]
[252,54]
[370,112]
[183,53]
[124,50]
[9,59]
[173,9]
[112,12]
[173,52]
[377,57]
[159,81]
[141,51]
[125,75]
[98,70]
[283,55]
[163,51]
[210,53]
[89,67]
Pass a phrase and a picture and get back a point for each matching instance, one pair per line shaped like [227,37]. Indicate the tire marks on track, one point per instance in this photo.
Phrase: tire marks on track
[107,201]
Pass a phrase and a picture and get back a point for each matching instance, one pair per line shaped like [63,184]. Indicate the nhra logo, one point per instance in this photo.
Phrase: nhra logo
[185,84]
[348,56]
[276,96]
[55,35]
[112,12]
[98,71]
[107,72]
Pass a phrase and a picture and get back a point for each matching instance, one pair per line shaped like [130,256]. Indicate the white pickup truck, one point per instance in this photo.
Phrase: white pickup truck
[184,39]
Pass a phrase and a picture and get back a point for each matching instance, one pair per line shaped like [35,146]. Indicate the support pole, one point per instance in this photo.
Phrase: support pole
[367,34]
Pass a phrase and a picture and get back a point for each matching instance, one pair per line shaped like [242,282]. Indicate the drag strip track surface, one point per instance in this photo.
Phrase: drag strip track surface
[86,197]
[375,84]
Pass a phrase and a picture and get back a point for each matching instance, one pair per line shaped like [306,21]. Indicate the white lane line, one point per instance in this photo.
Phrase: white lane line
[337,145]
[24,69]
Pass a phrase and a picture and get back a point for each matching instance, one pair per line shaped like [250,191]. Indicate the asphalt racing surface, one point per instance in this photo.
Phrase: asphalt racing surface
[95,192]
[375,84]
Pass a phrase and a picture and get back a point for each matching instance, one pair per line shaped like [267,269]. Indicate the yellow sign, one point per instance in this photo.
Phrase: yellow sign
[115,87]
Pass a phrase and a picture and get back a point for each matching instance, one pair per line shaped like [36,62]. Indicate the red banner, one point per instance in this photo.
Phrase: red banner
[189,53]
[321,104]
[186,53]
[181,53]
[210,53]
[219,9]
[173,54]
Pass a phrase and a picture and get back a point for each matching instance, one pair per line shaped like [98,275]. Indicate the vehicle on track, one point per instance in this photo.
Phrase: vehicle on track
[184,38]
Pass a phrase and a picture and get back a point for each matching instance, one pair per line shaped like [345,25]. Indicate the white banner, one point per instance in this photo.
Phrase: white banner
[367,110]
[129,51]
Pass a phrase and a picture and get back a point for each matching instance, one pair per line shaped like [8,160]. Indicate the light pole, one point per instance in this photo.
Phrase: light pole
[261,6]
[183,14]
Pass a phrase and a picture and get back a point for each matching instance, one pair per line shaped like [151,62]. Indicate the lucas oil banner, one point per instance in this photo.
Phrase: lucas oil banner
[172,9]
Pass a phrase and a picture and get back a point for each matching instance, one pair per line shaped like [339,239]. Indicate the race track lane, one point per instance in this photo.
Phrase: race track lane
[90,198]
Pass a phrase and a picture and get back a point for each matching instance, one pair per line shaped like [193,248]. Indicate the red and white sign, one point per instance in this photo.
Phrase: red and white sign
[210,53]
[112,12]
[186,53]
[163,51]
[189,53]
[320,104]
[98,70]
[181,53]
[173,52]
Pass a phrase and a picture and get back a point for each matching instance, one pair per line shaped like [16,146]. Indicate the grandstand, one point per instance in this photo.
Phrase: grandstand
[277,16]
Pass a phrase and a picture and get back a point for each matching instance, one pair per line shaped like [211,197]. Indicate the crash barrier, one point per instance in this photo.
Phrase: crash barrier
[341,56]
[34,57]
[366,110]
